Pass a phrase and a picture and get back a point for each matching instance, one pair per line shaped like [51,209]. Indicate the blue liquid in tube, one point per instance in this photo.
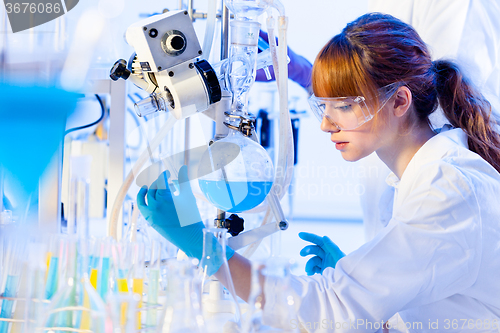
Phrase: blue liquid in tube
[235,197]
[6,311]
[52,278]
[103,281]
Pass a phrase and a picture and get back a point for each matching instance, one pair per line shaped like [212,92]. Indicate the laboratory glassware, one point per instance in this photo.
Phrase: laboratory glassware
[10,276]
[182,311]
[214,261]
[235,173]
[154,287]
[280,308]
[78,219]
[76,306]
[137,275]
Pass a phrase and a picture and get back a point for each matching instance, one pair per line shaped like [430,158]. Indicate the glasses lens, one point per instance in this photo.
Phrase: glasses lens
[345,112]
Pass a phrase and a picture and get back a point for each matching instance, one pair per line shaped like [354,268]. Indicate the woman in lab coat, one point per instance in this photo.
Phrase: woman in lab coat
[437,261]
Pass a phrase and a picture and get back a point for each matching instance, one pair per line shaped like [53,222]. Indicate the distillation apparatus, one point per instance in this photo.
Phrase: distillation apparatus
[235,173]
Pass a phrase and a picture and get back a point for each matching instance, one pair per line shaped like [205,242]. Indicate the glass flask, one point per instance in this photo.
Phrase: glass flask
[280,306]
[247,9]
[235,173]
[76,306]
[214,261]
[182,310]
[242,62]
[252,321]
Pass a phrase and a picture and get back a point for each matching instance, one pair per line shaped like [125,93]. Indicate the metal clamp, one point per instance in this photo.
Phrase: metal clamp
[246,123]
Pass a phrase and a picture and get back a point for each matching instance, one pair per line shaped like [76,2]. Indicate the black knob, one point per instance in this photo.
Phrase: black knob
[119,70]
[235,224]
[211,81]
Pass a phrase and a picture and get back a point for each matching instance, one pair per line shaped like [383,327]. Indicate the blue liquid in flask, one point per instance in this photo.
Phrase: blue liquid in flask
[235,197]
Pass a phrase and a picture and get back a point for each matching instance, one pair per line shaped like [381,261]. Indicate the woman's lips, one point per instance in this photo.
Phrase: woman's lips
[340,145]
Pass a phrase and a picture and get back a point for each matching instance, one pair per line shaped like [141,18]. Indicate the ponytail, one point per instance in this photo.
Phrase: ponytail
[467,109]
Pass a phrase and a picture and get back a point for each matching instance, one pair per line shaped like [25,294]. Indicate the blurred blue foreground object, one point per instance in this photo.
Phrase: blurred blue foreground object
[32,124]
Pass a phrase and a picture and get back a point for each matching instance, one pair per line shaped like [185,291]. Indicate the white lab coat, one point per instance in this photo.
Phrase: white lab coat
[436,261]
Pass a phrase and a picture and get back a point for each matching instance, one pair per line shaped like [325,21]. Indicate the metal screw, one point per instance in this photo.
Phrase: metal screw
[145,28]
[159,68]
[200,52]
[153,33]
[191,65]
[170,73]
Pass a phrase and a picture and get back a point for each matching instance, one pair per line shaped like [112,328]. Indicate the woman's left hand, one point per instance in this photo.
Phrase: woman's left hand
[326,252]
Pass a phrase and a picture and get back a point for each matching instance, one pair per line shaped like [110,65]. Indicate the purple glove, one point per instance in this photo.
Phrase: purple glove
[299,68]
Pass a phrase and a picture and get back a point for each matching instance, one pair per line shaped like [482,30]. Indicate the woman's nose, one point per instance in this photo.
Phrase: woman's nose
[327,126]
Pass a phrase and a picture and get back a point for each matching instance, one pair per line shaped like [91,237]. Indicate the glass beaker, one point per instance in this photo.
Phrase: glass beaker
[235,173]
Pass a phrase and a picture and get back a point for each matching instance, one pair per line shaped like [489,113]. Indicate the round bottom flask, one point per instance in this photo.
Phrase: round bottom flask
[235,173]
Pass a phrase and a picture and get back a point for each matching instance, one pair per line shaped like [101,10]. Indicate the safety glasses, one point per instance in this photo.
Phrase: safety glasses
[348,113]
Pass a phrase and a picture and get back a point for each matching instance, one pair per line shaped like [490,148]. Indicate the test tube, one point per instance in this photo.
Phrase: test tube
[9,282]
[153,283]
[53,270]
[78,220]
[37,277]
[138,276]
[94,258]
[122,264]
[76,306]
[122,322]
[104,266]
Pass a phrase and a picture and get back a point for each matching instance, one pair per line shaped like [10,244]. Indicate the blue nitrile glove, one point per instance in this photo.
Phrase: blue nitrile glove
[299,68]
[173,215]
[326,252]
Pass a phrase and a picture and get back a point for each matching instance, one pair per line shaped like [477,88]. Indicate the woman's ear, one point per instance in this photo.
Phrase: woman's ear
[402,101]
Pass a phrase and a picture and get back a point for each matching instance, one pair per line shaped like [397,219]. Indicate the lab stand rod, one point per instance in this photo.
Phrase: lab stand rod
[190,9]
[224,46]
[186,140]
[116,170]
